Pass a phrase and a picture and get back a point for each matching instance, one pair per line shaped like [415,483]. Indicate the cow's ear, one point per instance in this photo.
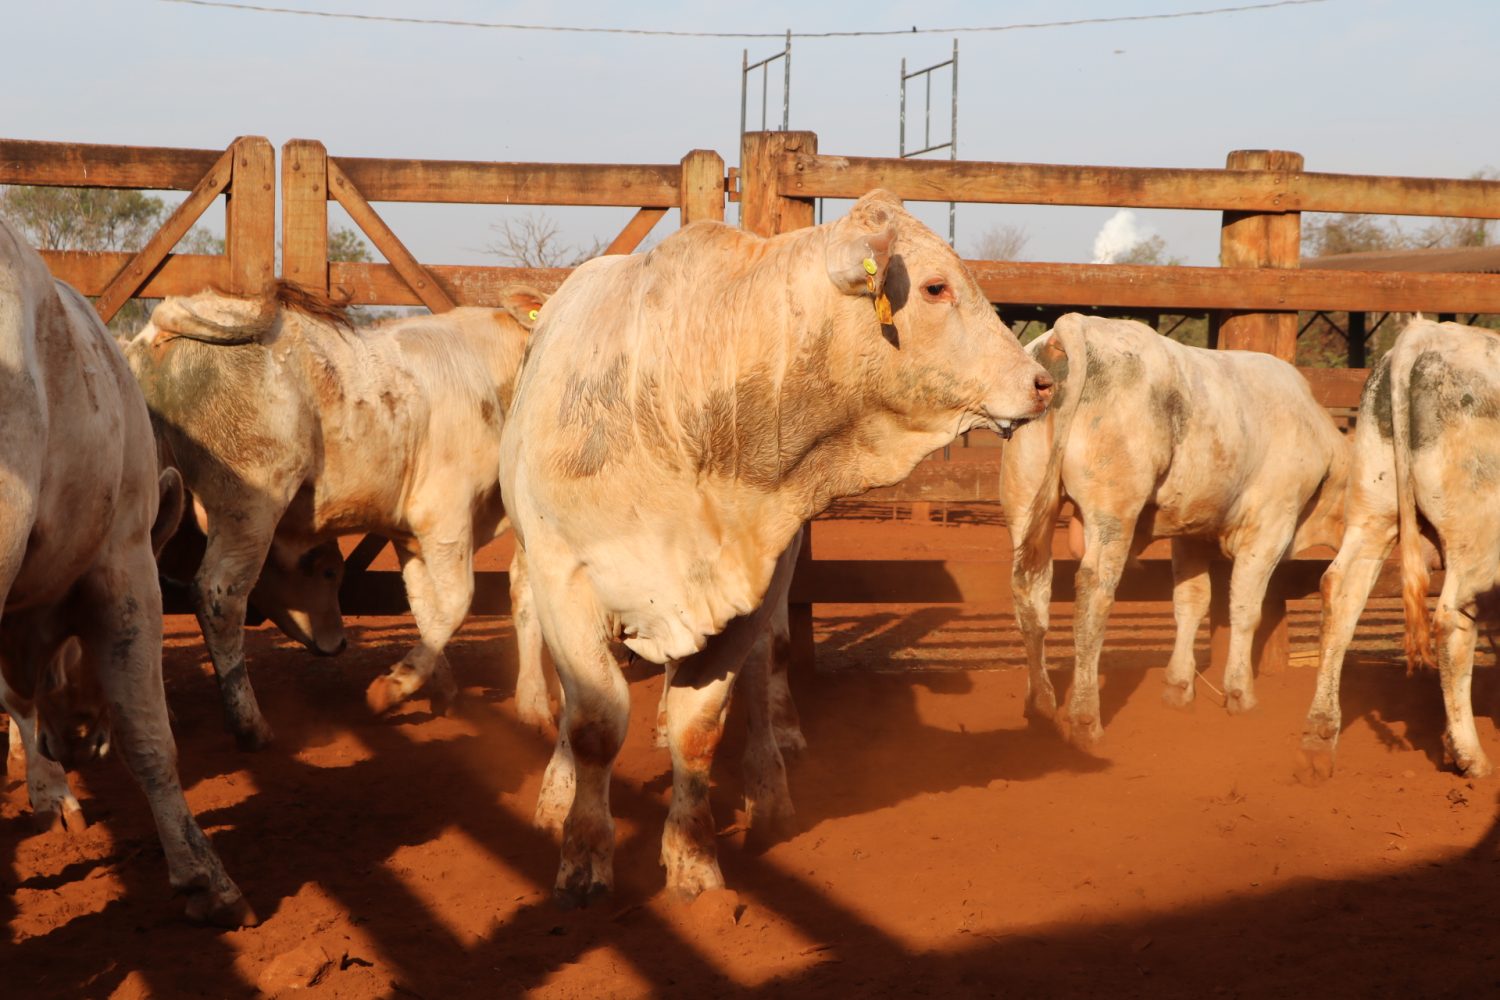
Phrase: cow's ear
[524,303]
[857,260]
[64,667]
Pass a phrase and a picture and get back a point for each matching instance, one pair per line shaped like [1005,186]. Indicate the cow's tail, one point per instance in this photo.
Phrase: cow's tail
[1041,515]
[1414,576]
[213,318]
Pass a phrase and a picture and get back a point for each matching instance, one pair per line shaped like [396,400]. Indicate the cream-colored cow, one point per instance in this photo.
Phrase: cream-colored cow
[679,416]
[1426,452]
[290,425]
[1221,451]
[80,607]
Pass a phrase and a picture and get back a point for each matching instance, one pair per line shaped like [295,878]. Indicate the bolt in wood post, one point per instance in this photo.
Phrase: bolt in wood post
[304,213]
[250,225]
[763,209]
[702,187]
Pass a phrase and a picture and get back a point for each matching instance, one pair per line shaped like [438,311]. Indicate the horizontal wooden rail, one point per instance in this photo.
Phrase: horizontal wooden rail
[474,285]
[81,164]
[90,271]
[804,175]
[1254,289]
[647,185]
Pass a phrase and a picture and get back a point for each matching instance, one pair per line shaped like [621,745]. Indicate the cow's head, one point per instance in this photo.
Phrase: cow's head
[299,592]
[72,716]
[942,349]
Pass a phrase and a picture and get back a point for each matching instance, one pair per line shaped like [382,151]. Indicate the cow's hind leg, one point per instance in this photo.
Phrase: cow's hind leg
[1190,600]
[232,562]
[125,645]
[439,586]
[768,801]
[535,683]
[52,801]
[1106,545]
[1345,588]
[1468,572]
[1253,564]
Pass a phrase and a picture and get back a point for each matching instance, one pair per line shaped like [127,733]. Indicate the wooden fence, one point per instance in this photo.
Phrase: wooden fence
[1253,296]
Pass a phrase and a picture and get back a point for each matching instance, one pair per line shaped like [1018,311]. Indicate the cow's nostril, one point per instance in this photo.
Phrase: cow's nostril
[1044,383]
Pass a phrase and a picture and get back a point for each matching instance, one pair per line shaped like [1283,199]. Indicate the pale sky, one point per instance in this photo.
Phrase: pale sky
[1367,86]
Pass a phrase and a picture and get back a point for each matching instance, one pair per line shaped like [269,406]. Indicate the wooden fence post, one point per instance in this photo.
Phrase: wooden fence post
[1262,239]
[763,209]
[765,212]
[1266,240]
[304,213]
[250,227]
[702,186]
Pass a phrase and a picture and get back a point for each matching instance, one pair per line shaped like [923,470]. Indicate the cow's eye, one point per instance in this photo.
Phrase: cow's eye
[937,290]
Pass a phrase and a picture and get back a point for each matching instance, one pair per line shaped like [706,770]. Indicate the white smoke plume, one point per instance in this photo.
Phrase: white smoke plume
[1117,236]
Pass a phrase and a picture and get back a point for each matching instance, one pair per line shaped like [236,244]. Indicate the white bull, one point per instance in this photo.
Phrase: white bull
[1221,451]
[80,630]
[290,426]
[680,414]
[1426,452]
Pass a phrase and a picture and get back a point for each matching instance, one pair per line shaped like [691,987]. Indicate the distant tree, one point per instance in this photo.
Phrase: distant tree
[1005,241]
[534,241]
[1152,251]
[66,218]
[347,246]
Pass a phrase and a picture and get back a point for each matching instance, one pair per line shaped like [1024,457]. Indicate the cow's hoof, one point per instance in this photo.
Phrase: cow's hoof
[789,739]
[1041,707]
[1083,731]
[1239,702]
[1175,695]
[255,737]
[767,827]
[1314,760]
[1470,765]
[230,913]
[383,694]
[579,896]
[71,817]
[443,701]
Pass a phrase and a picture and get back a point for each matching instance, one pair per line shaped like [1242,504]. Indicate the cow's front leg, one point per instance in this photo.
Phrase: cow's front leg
[1345,588]
[125,644]
[439,578]
[232,562]
[1107,539]
[52,801]
[697,700]
[768,800]
[1190,600]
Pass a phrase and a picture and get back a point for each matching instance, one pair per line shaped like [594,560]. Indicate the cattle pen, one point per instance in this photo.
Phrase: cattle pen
[1253,296]
[401,852]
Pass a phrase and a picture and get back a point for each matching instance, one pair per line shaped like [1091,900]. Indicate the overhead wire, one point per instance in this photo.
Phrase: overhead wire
[667,33]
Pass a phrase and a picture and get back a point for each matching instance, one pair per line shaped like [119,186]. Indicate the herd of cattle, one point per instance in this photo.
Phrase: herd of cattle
[655,435]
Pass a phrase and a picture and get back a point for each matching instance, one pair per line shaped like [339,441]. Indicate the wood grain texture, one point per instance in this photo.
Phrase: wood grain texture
[304,213]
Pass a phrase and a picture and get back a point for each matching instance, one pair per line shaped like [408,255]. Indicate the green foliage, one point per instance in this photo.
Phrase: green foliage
[347,246]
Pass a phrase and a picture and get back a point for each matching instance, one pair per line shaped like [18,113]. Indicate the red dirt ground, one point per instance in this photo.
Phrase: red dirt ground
[946,848]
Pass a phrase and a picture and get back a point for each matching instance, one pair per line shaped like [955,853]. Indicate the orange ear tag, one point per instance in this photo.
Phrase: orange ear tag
[882,304]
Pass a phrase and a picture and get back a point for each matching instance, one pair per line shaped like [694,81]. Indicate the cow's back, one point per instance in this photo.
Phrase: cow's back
[1210,436]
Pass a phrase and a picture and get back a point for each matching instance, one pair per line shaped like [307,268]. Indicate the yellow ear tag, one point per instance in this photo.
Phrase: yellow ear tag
[533,315]
[870,267]
[883,309]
